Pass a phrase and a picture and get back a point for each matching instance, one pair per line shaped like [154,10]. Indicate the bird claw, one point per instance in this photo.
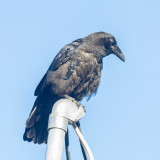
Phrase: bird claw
[73,100]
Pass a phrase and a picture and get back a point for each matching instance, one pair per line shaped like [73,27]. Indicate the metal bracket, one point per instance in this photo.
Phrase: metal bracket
[64,112]
[67,109]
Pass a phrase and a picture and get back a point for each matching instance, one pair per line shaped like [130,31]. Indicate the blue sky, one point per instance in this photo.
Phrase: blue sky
[122,121]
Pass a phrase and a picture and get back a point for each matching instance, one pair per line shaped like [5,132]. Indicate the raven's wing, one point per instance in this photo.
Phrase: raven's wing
[38,88]
[64,54]
[61,58]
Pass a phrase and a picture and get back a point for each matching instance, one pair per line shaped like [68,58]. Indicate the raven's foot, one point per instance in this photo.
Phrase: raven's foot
[73,100]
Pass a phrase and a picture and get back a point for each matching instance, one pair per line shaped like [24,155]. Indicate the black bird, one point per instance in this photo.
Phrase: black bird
[76,72]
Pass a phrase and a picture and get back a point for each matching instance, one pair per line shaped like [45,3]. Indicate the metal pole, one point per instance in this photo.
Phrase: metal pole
[63,111]
[56,137]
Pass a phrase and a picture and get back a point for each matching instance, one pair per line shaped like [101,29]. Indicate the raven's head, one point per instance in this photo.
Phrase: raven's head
[108,42]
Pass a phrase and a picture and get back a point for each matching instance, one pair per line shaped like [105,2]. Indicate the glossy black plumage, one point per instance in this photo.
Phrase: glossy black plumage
[75,71]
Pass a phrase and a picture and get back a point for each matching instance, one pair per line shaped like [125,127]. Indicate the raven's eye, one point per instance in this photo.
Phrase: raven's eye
[112,42]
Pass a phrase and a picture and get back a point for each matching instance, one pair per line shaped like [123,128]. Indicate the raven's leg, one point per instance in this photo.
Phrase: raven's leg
[73,100]
[68,156]
[82,147]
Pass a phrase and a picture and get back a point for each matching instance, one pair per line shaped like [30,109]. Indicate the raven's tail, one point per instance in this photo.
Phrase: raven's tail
[37,122]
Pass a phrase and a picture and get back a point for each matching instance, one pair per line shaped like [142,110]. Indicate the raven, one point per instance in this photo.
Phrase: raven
[76,72]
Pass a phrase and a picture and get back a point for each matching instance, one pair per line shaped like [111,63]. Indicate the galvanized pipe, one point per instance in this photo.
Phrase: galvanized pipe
[63,112]
[57,130]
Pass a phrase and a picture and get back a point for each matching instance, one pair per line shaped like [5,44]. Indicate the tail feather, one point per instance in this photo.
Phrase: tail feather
[31,119]
[31,133]
[37,122]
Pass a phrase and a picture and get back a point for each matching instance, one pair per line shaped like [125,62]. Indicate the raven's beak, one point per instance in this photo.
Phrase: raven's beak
[117,51]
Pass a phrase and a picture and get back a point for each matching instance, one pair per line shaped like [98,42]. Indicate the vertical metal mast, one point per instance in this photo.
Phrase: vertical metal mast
[63,112]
